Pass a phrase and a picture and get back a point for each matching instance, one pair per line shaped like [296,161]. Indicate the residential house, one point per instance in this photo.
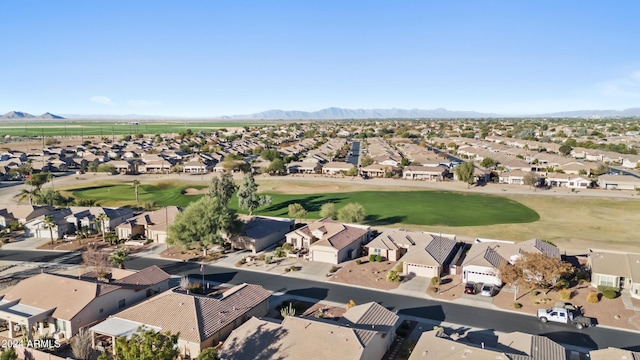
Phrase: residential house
[618,182]
[22,213]
[261,232]
[68,304]
[200,321]
[335,168]
[90,217]
[300,167]
[329,241]
[614,354]
[436,345]
[36,227]
[431,173]
[515,177]
[485,257]
[195,167]
[365,332]
[379,170]
[619,270]
[151,225]
[422,254]
[123,166]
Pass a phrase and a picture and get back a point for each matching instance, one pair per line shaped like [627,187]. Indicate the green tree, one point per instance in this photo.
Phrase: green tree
[488,163]
[205,221]
[329,210]
[81,345]
[248,197]
[352,172]
[136,185]
[530,179]
[222,188]
[9,354]
[37,180]
[147,345]
[296,211]
[270,154]
[50,197]
[565,149]
[93,167]
[28,194]
[464,172]
[209,353]
[49,224]
[366,161]
[277,167]
[118,257]
[352,213]
[100,219]
[106,168]
[393,276]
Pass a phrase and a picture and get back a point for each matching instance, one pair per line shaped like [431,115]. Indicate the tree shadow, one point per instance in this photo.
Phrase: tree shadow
[479,338]
[376,220]
[178,267]
[311,203]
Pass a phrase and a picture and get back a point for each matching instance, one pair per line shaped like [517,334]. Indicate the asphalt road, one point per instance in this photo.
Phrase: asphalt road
[499,321]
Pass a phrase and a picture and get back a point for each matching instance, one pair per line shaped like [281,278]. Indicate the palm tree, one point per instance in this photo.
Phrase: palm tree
[136,184]
[24,193]
[100,221]
[49,223]
[119,256]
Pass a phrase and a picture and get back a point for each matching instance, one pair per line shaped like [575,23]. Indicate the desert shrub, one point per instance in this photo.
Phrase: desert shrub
[562,284]
[279,252]
[393,276]
[287,247]
[379,258]
[294,268]
[372,258]
[517,305]
[287,269]
[358,262]
[333,269]
[535,292]
[593,297]
[565,294]
[399,266]
[434,289]
[582,275]
[268,259]
[610,294]
[262,257]
[436,280]
[241,262]
[350,304]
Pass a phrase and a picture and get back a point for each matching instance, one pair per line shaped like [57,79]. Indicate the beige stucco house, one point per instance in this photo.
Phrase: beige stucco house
[152,225]
[615,269]
[330,241]
[61,305]
[260,232]
[364,332]
[201,321]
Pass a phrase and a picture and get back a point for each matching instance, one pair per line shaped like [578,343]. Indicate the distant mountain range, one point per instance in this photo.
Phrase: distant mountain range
[17,115]
[340,113]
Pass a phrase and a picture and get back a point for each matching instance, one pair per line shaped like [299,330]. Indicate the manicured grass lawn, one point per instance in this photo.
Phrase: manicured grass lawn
[383,208]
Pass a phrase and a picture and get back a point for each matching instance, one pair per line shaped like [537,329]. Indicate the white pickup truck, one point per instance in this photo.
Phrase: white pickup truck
[566,315]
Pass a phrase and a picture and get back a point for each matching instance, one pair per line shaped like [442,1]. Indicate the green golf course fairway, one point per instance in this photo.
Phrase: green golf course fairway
[383,207]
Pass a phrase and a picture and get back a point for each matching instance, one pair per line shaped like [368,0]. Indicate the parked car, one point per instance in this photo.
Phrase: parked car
[470,288]
[567,314]
[488,290]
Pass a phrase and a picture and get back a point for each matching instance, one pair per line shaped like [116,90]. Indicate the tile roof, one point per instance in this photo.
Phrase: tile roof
[331,233]
[195,317]
[614,354]
[534,346]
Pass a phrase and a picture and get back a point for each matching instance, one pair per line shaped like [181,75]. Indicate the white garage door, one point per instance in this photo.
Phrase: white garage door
[324,256]
[423,271]
[481,278]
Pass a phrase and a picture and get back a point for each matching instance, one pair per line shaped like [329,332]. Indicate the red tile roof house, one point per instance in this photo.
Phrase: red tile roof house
[200,320]
[330,241]
[68,304]
[365,332]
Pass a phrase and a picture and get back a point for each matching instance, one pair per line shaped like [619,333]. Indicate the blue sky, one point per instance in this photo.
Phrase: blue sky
[210,58]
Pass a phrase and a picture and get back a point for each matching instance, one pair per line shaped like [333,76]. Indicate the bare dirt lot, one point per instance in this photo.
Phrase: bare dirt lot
[367,274]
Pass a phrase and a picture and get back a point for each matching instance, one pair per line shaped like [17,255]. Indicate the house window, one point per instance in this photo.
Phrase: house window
[376,251]
[606,280]
[121,304]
